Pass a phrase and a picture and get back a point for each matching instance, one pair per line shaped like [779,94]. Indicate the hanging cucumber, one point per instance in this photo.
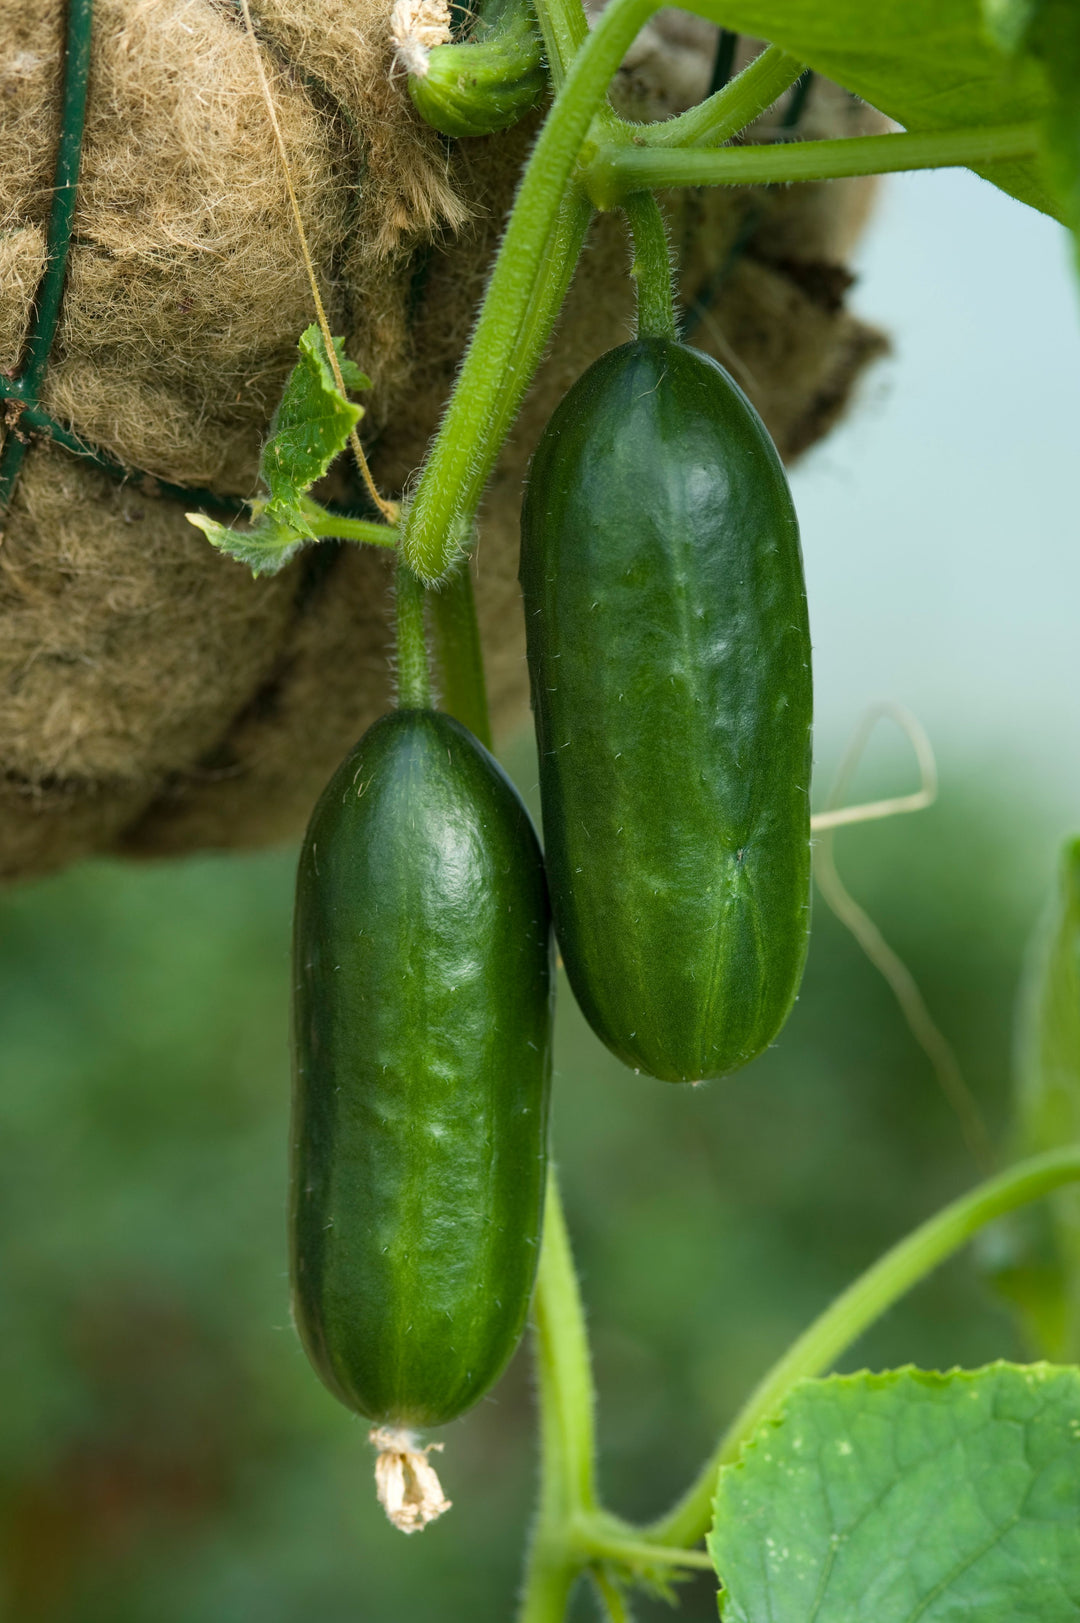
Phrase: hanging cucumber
[669,654]
[487,82]
[422,1010]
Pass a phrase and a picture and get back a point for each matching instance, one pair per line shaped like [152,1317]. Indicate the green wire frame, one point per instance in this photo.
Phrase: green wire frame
[23,390]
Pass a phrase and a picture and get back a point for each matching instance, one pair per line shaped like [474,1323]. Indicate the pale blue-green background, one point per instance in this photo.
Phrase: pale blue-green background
[941,522]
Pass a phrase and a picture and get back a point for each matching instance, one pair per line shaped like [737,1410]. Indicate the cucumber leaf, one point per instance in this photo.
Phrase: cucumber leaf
[310,427]
[928,64]
[907,1495]
[1047,33]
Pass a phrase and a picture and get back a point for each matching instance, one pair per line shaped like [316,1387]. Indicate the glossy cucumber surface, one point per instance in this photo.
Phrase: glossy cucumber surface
[422,1010]
[669,655]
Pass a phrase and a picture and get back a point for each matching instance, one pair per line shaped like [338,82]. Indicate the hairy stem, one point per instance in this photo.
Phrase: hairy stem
[567,1446]
[520,306]
[603,1539]
[859,1307]
[617,170]
[515,324]
[542,240]
[651,267]
[413,680]
[724,114]
[565,28]
[461,662]
[337,528]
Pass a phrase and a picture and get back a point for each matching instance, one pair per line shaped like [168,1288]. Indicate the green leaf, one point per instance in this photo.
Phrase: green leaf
[1047,32]
[1007,21]
[928,64]
[269,544]
[908,1497]
[310,427]
[265,548]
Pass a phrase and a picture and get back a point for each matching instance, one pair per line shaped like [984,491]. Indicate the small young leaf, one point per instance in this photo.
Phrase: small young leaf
[908,1495]
[310,427]
[265,548]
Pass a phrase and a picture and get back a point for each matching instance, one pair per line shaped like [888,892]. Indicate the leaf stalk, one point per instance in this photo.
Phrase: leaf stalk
[617,170]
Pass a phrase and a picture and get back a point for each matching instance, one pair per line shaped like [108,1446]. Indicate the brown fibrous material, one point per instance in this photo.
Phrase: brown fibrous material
[156,698]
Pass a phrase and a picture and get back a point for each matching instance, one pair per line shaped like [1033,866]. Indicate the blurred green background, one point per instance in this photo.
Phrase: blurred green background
[165,1454]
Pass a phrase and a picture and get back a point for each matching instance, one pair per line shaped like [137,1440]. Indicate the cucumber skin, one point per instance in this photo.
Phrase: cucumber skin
[669,655]
[487,83]
[422,1015]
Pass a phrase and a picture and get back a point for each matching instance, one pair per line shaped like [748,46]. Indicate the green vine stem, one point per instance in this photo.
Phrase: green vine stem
[413,679]
[818,1348]
[611,1598]
[729,110]
[520,307]
[567,1446]
[651,267]
[515,324]
[338,527]
[605,1538]
[617,170]
[461,661]
[565,27]
[546,229]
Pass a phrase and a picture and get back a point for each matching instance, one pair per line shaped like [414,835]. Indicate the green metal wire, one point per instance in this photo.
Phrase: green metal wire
[723,61]
[34,418]
[24,389]
[708,294]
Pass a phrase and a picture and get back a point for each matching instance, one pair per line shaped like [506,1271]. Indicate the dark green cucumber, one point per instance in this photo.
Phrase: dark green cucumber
[669,654]
[422,1009]
[488,82]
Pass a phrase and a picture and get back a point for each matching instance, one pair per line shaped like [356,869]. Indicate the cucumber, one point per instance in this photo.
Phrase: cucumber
[488,82]
[422,1011]
[669,656]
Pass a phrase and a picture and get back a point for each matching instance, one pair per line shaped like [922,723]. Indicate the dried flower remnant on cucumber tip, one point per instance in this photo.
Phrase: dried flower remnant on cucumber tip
[416,27]
[406,1482]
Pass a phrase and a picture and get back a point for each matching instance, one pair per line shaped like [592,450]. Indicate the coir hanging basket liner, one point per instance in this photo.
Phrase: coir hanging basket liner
[155,698]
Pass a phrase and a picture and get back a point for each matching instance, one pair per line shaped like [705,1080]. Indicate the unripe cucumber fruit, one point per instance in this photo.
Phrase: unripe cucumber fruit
[422,1010]
[669,654]
[488,82]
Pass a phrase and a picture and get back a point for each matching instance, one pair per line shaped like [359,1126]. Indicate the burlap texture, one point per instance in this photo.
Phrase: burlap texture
[156,699]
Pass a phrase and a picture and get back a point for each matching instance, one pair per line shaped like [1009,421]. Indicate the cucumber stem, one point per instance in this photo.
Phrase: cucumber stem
[617,170]
[461,660]
[856,1309]
[564,27]
[567,1442]
[413,677]
[651,267]
[730,109]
